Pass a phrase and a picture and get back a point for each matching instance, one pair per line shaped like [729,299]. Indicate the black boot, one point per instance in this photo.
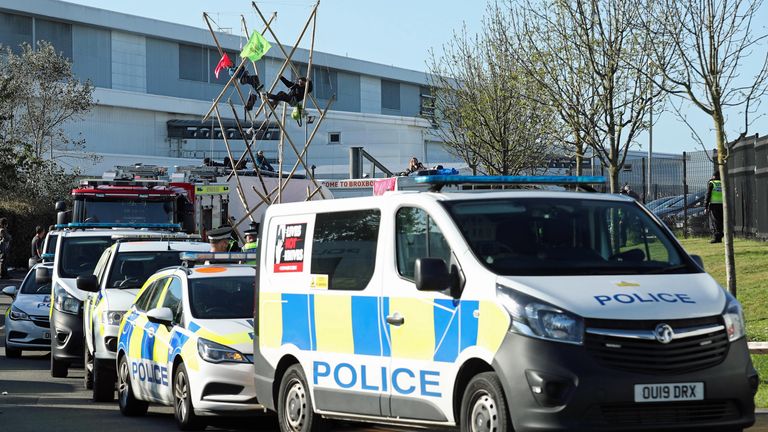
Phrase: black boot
[251,102]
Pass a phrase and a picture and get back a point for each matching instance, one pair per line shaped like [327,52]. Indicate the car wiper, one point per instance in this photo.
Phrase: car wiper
[671,269]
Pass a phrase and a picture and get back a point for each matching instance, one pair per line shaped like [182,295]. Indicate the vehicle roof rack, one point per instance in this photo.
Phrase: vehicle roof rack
[438,181]
[110,225]
[161,236]
[189,259]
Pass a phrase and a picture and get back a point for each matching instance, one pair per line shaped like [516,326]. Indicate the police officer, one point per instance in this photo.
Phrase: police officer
[221,240]
[714,206]
[251,238]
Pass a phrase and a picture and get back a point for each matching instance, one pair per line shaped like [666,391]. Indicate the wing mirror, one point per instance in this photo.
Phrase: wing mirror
[43,275]
[432,274]
[88,283]
[10,291]
[697,259]
[161,315]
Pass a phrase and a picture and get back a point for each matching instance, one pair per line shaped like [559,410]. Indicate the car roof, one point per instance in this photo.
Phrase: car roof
[159,246]
[106,232]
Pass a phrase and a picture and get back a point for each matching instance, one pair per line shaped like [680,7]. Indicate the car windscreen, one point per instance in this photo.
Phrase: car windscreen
[50,242]
[546,236]
[124,210]
[31,286]
[132,269]
[221,297]
[79,255]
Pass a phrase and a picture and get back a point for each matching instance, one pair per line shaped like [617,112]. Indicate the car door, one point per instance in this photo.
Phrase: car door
[91,315]
[161,367]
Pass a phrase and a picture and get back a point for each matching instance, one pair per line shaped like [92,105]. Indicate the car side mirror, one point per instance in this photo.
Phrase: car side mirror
[697,259]
[10,291]
[42,275]
[161,315]
[88,283]
[431,274]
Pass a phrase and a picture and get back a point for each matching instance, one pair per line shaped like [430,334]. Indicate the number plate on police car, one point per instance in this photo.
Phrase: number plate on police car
[46,335]
[669,392]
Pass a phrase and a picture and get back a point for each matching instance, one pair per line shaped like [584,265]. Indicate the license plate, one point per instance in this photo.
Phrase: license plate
[669,392]
[46,335]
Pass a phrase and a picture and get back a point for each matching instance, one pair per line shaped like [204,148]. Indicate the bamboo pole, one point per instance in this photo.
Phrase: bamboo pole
[311,56]
[239,187]
[247,146]
[280,157]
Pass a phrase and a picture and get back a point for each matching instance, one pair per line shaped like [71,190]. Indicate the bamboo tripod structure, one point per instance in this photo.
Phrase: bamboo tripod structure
[275,195]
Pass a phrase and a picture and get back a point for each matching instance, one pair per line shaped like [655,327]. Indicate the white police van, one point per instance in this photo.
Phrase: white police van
[120,272]
[187,341]
[498,311]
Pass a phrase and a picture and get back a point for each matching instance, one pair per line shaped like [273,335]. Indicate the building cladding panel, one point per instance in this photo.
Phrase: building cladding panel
[92,55]
[129,62]
[370,94]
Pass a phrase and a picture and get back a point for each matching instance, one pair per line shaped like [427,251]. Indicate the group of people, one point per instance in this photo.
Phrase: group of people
[222,239]
[261,163]
[293,97]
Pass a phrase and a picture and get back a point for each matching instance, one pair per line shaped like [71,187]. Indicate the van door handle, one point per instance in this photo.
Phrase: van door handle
[396,319]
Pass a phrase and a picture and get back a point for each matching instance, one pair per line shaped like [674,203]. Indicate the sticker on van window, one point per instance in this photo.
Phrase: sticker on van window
[319,281]
[289,248]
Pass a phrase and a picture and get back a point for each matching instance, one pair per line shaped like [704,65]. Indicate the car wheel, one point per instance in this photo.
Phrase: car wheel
[483,407]
[59,369]
[12,353]
[294,405]
[88,366]
[103,383]
[129,405]
[186,419]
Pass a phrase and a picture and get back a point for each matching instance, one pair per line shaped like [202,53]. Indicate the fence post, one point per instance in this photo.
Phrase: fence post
[685,195]
[646,186]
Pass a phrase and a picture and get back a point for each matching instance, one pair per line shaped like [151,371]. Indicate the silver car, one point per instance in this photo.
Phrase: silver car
[26,321]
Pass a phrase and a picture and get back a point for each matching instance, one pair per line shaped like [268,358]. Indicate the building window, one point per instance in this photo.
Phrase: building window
[57,33]
[344,248]
[192,63]
[334,138]
[390,95]
[15,30]
[324,80]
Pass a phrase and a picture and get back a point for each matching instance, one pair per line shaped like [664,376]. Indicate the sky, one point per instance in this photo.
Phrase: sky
[401,33]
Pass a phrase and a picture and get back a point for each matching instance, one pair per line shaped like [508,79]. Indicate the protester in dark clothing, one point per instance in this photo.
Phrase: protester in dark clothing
[714,207]
[295,92]
[262,163]
[5,250]
[37,243]
[253,80]
[413,166]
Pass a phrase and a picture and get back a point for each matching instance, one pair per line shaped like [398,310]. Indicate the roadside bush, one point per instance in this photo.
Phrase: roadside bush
[23,217]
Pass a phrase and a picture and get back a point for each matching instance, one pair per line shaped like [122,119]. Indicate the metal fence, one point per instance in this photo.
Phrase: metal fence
[748,175]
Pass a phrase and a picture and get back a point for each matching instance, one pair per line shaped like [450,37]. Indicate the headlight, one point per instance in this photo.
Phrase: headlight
[217,353]
[534,318]
[64,302]
[18,314]
[112,317]
[733,316]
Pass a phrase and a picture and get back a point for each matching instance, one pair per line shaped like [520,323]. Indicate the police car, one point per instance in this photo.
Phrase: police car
[26,320]
[120,272]
[497,311]
[187,340]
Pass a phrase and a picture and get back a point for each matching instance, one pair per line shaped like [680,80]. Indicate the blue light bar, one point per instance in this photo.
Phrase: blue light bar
[509,180]
[46,257]
[83,225]
[219,257]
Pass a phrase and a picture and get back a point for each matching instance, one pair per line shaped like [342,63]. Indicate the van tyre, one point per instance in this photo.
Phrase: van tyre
[12,353]
[103,383]
[483,407]
[129,405]
[88,366]
[183,411]
[294,404]
[59,369]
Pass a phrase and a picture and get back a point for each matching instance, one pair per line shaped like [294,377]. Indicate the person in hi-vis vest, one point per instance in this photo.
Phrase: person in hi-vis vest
[714,207]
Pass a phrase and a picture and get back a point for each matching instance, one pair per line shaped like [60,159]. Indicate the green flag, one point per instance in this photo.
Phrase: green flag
[256,47]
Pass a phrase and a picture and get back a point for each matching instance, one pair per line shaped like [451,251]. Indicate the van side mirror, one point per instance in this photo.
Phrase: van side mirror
[697,259]
[431,274]
[161,315]
[10,291]
[88,283]
[63,217]
[43,275]
[60,206]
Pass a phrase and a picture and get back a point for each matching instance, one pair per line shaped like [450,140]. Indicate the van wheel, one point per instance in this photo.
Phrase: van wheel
[88,366]
[59,369]
[186,419]
[294,404]
[103,383]
[129,405]
[12,353]
[483,408]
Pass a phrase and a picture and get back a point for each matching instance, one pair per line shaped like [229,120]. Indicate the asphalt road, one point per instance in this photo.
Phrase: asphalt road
[31,400]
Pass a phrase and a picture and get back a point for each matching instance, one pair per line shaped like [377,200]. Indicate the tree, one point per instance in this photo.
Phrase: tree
[587,56]
[704,64]
[484,107]
[45,96]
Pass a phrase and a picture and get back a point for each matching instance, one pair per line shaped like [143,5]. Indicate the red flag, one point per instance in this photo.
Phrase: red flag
[224,63]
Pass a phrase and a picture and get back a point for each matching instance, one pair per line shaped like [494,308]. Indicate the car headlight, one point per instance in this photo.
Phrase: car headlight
[218,353]
[112,317]
[17,314]
[64,302]
[534,318]
[733,315]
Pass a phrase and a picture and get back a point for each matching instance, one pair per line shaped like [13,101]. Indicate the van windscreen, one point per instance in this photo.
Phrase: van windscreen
[546,236]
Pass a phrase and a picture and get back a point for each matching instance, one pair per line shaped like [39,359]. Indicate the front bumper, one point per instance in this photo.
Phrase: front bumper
[584,395]
[105,342]
[34,335]
[67,336]
[224,388]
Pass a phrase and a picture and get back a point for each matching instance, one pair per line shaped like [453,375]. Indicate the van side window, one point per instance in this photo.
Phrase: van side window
[418,236]
[344,248]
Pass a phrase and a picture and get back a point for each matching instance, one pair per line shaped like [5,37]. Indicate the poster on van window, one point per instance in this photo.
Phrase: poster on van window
[289,248]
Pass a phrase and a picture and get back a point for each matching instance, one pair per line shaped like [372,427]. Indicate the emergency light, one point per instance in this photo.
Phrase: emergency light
[218,257]
[438,181]
[107,225]
[46,256]
[155,237]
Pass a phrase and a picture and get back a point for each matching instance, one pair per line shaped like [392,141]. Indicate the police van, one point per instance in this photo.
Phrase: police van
[187,341]
[120,272]
[497,311]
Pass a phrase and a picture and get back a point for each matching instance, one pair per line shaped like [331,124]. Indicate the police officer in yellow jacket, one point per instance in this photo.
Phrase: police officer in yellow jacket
[714,206]
[221,240]
[251,238]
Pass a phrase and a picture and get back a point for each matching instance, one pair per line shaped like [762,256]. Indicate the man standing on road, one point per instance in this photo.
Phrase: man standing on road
[714,207]
[37,243]
[7,238]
